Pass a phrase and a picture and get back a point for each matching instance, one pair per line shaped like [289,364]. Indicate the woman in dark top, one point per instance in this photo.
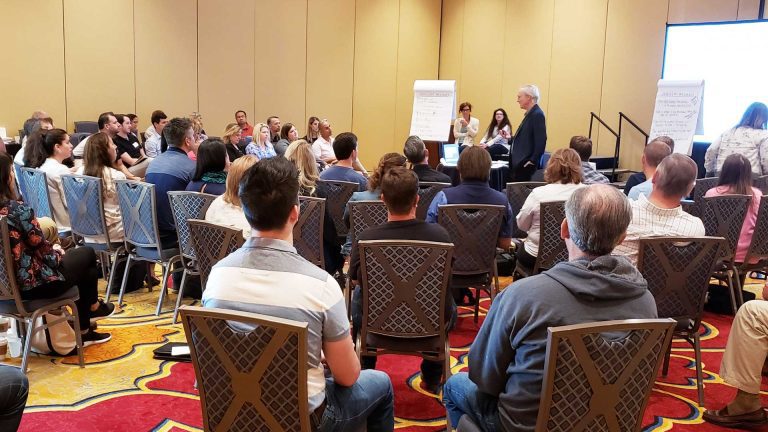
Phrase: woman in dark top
[313,130]
[232,137]
[44,270]
[288,134]
[211,171]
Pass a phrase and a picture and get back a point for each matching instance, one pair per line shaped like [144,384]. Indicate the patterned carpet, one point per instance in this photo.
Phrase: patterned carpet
[123,389]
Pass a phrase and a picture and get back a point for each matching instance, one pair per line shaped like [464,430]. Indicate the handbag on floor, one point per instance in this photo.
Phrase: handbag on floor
[58,339]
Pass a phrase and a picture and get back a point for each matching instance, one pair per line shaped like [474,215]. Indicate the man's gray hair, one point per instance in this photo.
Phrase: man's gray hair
[414,149]
[532,91]
[598,217]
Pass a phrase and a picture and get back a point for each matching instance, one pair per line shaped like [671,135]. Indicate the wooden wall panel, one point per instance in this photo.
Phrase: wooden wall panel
[692,11]
[748,10]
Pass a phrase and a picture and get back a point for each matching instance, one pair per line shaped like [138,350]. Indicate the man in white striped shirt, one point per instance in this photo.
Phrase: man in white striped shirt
[661,214]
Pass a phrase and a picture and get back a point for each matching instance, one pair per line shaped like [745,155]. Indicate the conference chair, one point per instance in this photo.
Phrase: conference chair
[552,248]
[761,183]
[184,206]
[90,127]
[212,243]
[598,376]
[251,370]
[86,215]
[138,211]
[364,215]
[404,287]
[677,270]
[757,254]
[308,231]
[701,188]
[35,190]
[337,194]
[723,216]
[76,138]
[474,230]
[27,312]
[517,193]
[427,193]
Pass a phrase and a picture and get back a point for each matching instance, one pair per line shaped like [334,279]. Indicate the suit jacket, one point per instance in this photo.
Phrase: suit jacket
[427,174]
[530,140]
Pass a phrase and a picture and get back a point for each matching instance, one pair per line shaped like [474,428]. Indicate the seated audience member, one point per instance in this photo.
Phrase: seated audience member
[323,145]
[14,390]
[252,278]
[200,136]
[134,126]
[653,153]
[742,367]
[637,178]
[661,214]
[496,138]
[211,168]
[313,130]
[399,191]
[418,156]
[107,123]
[583,146]
[261,147]
[30,127]
[44,270]
[749,138]
[129,151]
[274,128]
[46,151]
[506,360]
[736,178]
[288,134]
[232,137]
[226,208]
[373,193]
[563,177]
[345,152]
[241,118]
[474,167]
[153,135]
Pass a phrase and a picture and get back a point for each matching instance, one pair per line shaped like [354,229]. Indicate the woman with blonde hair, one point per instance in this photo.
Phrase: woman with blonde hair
[313,130]
[231,138]
[563,176]
[300,153]
[261,147]
[226,208]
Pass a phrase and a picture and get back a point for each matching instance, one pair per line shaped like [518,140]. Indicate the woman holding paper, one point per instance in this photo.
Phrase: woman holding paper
[465,127]
[748,138]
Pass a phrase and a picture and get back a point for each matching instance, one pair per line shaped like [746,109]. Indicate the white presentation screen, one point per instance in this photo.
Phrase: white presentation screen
[731,58]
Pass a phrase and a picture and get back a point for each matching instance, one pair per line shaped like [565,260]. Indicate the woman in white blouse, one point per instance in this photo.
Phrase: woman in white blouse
[465,127]
[563,175]
[47,151]
[496,139]
[226,208]
[748,138]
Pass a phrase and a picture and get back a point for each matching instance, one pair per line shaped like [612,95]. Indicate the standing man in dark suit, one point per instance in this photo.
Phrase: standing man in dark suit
[530,140]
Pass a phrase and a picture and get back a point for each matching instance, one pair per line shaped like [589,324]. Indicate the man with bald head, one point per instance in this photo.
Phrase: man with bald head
[503,387]
[660,214]
[653,154]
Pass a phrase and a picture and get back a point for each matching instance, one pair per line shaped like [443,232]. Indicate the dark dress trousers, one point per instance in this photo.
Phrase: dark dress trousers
[528,145]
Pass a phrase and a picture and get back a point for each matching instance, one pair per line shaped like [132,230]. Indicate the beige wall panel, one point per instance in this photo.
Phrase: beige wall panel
[634,50]
[33,71]
[481,67]
[748,10]
[375,80]
[452,40]
[418,58]
[166,59]
[225,68]
[577,68]
[329,62]
[693,11]
[281,50]
[99,58]
[527,52]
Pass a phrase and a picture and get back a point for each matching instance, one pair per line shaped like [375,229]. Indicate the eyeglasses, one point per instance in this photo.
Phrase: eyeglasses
[466,109]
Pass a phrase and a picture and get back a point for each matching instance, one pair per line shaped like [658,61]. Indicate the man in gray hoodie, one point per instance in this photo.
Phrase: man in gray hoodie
[506,361]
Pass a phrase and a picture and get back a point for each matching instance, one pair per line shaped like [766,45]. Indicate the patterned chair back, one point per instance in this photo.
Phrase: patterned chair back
[188,205]
[36,193]
[552,248]
[701,188]
[404,286]
[758,247]
[365,214]
[598,376]
[427,193]
[723,216]
[677,270]
[139,213]
[84,195]
[517,193]
[474,230]
[337,194]
[213,243]
[251,370]
[761,183]
[308,231]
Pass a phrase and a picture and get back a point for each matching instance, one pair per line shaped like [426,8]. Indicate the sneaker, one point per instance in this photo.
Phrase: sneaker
[94,338]
[104,310]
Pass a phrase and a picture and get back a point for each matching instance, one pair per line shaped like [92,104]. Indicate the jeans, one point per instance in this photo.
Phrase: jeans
[461,396]
[369,403]
[14,389]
